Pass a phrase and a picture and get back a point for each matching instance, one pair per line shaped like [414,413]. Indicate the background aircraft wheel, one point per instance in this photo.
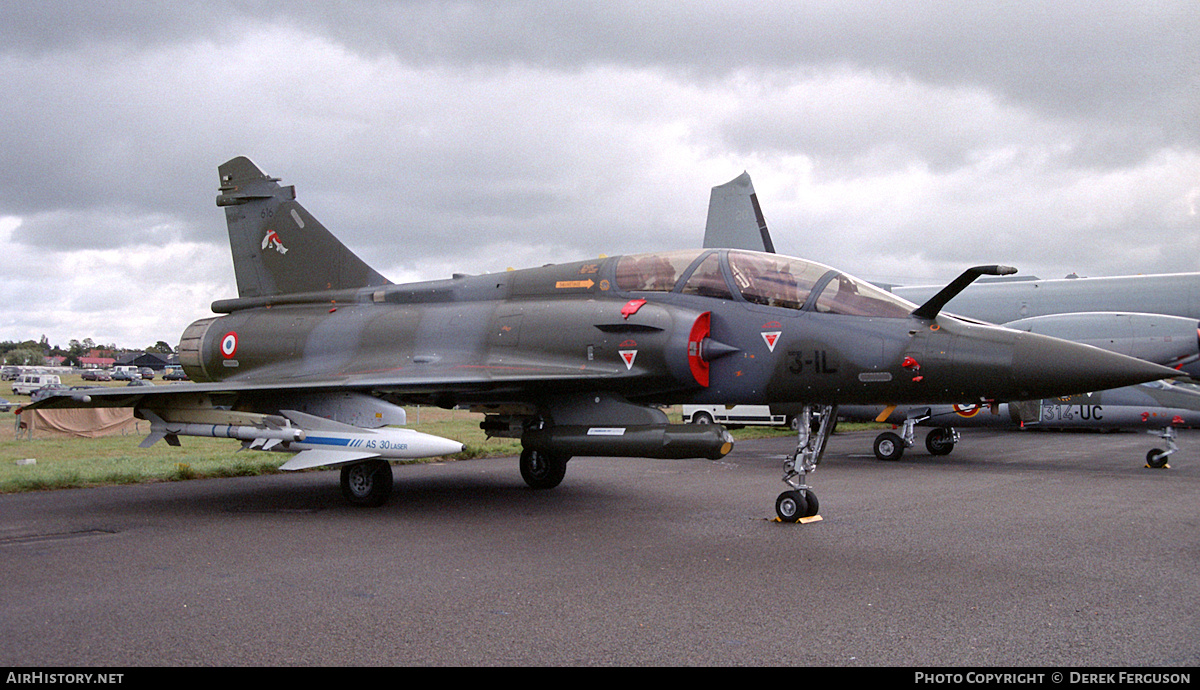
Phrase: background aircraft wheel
[939,442]
[1156,459]
[367,483]
[542,470]
[702,418]
[889,446]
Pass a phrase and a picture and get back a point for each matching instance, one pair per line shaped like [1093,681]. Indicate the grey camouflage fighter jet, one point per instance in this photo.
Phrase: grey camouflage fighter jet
[1156,407]
[318,350]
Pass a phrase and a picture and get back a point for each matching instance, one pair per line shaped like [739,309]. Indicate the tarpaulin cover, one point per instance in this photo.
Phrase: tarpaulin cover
[82,422]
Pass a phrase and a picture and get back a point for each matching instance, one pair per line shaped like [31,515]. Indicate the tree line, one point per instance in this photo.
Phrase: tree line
[37,352]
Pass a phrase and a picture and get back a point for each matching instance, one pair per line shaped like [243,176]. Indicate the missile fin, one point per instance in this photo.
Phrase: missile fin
[306,459]
[154,437]
[315,423]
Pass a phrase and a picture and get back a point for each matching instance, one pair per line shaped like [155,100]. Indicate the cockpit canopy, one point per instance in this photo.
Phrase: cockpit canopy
[766,279]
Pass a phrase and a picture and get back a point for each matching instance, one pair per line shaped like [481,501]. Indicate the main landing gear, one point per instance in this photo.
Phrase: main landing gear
[542,470]
[800,501]
[1156,458]
[939,440]
[367,484]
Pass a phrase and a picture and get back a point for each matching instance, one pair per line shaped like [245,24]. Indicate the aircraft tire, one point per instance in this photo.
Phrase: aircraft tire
[542,470]
[939,442]
[367,484]
[889,446]
[791,506]
[814,506]
[1156,459]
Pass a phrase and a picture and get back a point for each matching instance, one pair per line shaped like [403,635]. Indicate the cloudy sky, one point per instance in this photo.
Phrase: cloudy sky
[901,142]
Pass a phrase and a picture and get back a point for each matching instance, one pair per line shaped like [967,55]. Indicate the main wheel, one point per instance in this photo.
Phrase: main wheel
[889,446]
[542,470]
[793,505]
[1156,459]
[939,441]
[367,483]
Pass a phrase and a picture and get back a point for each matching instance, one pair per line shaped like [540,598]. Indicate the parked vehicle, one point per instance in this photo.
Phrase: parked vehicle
[125,373]
[146,373]
[5,405]
[735,416]
[96,375]
[26,384]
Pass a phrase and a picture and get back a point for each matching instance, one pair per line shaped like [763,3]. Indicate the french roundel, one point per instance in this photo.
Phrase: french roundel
[968,410]
[229,344]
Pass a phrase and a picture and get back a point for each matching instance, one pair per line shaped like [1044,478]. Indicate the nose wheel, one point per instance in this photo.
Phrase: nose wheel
[795,505]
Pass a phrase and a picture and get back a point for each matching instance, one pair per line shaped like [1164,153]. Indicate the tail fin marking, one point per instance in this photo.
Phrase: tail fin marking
[278,247]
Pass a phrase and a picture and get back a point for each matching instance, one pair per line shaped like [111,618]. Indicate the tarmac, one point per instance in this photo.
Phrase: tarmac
[1019,549]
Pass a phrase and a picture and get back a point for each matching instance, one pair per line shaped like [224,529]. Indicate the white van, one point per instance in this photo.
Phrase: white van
[26,384]
[735,416]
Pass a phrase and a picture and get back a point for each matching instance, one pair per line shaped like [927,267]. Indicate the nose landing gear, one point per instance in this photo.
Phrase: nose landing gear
[800,502]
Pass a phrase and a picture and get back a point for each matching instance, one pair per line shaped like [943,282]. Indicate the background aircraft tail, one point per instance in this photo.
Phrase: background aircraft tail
[278,247]
[735,220]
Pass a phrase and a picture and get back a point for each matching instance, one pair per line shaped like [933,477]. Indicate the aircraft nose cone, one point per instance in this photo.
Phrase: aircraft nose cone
[1049,367]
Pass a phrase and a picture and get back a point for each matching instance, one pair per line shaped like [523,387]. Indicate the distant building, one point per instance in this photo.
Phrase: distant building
[154,360]
[97,362]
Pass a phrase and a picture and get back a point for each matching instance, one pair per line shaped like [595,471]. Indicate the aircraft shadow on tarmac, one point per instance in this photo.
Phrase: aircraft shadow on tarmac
[494,490]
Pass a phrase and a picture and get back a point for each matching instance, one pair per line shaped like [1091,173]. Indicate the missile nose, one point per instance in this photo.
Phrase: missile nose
[1050,367]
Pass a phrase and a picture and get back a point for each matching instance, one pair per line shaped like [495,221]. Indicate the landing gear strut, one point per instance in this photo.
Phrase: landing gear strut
[939,441]
[800,502]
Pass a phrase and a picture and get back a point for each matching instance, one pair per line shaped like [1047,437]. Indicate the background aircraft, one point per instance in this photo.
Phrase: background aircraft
[1082,308]
[573,359]
[1157,407]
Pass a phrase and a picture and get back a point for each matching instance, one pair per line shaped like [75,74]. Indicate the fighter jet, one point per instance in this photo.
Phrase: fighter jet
[1143,316]
[1157,407]
[1081,304]
[573,359]
[1168,336]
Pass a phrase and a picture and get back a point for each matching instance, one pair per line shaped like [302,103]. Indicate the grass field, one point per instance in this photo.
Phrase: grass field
[78,462]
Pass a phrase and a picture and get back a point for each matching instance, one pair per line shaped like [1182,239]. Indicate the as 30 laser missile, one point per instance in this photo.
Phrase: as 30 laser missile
[316,441]
[327,442]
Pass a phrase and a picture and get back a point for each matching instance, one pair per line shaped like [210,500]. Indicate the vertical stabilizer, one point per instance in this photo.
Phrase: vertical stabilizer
[735,220]
[279,247]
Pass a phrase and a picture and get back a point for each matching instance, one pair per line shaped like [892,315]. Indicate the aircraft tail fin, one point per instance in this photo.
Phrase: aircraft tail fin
[279,247]
[735,220]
